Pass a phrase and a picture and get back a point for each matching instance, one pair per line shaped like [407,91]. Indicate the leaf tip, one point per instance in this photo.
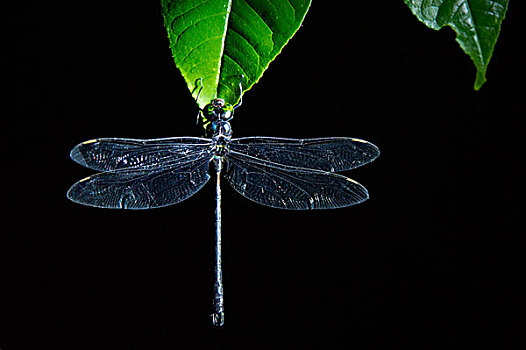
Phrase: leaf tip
[479,80]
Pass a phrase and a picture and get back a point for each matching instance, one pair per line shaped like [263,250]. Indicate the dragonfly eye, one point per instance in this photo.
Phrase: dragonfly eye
[218,109]
[227,112]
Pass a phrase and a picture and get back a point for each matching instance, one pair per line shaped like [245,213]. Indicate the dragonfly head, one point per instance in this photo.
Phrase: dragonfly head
[217,110]
[215,116]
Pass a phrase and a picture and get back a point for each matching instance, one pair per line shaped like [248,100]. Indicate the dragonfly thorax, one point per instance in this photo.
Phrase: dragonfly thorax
[221,145]
[218,129]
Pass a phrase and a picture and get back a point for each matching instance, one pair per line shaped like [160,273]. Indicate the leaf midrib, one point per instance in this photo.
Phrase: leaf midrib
[223,41]
[477,40]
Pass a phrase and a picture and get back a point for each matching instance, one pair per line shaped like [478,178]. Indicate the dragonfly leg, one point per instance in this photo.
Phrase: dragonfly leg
[197,98]
[240,92]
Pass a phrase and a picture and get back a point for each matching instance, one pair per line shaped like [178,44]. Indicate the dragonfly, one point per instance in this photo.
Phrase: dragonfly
[284,173]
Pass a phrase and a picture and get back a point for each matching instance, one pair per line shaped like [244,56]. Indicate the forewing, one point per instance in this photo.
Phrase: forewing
[285,187]
[140,188]
[328,154]
[107,154]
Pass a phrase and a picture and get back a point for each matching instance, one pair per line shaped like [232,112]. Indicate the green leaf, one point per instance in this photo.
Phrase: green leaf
[218,41]
[476,22]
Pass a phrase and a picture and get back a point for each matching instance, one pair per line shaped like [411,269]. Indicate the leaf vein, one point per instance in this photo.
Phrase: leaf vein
[257,14]
[237,64]
[197,46]
[248,43]
[195,23]
[188,11]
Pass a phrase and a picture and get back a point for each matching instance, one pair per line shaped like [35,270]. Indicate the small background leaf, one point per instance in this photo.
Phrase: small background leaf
[220,40]
[476,22]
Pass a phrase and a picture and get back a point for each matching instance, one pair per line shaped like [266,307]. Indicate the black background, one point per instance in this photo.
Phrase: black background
[429,262]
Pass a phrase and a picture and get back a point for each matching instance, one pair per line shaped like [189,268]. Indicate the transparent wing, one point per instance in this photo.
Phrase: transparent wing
[145,188]
[329,154]
[285,187]
[107,154]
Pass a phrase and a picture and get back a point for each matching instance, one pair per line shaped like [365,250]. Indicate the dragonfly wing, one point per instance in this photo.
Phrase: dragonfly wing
[113,153]
[140,188]
[285,187]
[329,154]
